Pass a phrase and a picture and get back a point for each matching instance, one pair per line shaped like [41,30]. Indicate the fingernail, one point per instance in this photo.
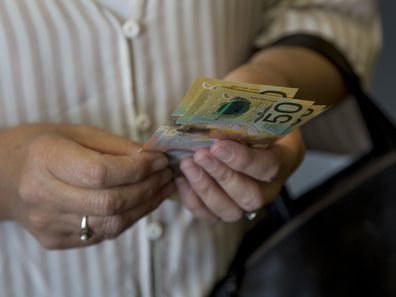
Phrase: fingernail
[192,172]
[207,163]
[160,163]
[223,154]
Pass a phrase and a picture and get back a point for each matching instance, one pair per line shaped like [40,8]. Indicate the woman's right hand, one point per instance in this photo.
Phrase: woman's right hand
[51,175]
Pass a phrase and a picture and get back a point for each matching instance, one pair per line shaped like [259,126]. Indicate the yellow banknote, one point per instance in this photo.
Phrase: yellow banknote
[311,113]
[204,83]
[232,107]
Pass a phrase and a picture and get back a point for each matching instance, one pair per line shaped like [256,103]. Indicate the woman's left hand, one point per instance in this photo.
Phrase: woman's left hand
[230,178]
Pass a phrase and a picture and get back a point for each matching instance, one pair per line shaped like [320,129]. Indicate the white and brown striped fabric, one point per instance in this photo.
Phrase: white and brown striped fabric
[123,66]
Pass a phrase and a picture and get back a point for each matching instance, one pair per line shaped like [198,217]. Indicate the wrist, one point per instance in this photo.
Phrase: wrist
[260,73]
[314,75]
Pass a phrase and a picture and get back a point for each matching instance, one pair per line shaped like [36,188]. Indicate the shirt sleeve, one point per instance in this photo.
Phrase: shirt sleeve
[352,26]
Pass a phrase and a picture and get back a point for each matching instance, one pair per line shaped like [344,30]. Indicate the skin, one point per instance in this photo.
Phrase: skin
[229,179]
[53,174]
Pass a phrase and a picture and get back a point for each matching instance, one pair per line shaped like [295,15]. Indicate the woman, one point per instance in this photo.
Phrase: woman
[70,66]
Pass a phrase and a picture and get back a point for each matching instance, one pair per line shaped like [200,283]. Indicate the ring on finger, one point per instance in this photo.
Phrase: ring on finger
[85,231]
[251,215]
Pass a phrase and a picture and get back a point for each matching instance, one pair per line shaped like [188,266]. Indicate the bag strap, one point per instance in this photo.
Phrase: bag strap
[383,138]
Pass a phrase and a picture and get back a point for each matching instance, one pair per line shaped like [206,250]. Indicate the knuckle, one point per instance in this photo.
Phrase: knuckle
[39,222]
[224,175]
[139,169]
[107,204]
[252,200]
[204,188]
[244,160]
[139,174]
[112,227]
[95,174]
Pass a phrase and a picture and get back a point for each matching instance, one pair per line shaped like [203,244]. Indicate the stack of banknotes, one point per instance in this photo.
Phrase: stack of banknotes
[212,109]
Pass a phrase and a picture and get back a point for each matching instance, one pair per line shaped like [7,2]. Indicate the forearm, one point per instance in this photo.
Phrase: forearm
[316,77]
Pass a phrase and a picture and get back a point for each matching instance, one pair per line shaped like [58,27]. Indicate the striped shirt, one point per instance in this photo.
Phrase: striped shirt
[123,66]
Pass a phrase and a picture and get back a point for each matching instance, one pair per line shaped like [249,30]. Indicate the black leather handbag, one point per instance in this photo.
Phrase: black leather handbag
[340,239]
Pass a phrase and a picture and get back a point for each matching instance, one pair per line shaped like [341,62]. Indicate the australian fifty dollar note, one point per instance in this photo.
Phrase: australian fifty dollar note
[216,109]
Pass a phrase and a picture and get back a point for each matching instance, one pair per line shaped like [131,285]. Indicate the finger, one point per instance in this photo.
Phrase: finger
[82,167]
[58,234]
[192,202]
[209,192]
[63,231]
[112,226]
[62,241]
[103,202]
[245,191]
[101,141]
[260,164]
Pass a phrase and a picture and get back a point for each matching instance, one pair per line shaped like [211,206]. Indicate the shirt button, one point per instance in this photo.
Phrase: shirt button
[154,230]
[143,122]
[131,29]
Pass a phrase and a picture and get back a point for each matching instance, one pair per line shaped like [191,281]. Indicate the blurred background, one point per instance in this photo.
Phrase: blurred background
[383,84]
[385,77]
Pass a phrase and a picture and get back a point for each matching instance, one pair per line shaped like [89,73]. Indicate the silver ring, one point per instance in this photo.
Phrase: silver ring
[85,231]
[251,215]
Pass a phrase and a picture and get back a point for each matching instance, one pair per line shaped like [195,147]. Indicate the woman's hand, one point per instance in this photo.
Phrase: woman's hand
[52,175]
[230,179]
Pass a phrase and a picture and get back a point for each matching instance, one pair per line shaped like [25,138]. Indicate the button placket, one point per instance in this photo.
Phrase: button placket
[154,230]
[143,122]
[131,29]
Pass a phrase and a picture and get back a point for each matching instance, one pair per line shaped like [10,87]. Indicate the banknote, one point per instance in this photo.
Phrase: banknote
[311,113]
[194,137]
[182,141]
[256,115]
[204,83]
[232,107]
[168,138]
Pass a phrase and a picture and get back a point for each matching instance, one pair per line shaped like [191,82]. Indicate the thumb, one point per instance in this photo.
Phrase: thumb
[102,141]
